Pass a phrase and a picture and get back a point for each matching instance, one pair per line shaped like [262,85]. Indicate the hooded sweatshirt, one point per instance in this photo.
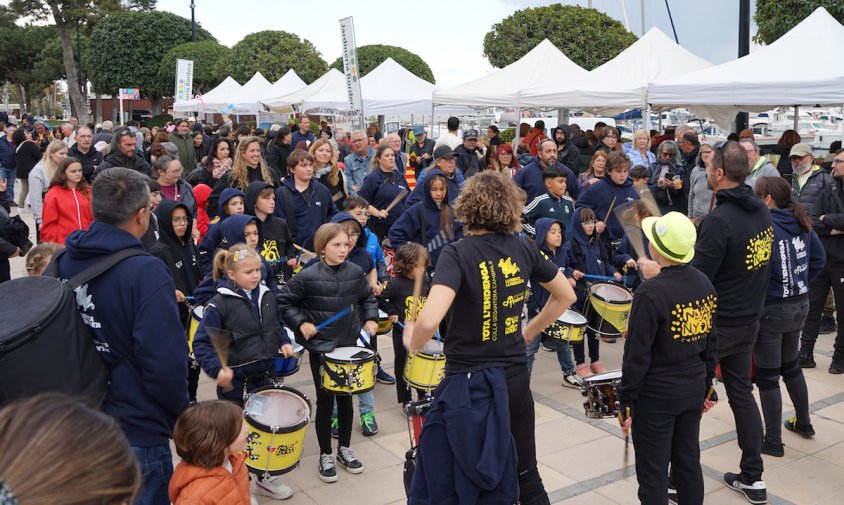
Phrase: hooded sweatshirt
[214,236]
[600,196]
[797,257]
[132,307]
[539,295]
[359,254]
[194,485]
[420,223]
[586,254]
[276,241]
[733,249]
[178,253]
[567,153]
[455,182]
[201,192]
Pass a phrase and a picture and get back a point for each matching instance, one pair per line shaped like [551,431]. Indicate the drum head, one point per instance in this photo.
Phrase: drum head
[382,314]
[572,318]
[277,407]
[291,336]
[602,377]
[344,354]
[610,293]
[433,347]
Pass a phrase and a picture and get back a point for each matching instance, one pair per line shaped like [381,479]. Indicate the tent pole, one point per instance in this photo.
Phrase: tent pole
[518,125]
[432,118]
[796,117]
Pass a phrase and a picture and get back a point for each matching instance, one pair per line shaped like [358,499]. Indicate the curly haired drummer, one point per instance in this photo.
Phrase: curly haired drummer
[668,364]
[481,283]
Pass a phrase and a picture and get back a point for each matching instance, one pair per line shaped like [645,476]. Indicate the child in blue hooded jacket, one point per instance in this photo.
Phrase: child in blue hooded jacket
[232,201]
[586,254]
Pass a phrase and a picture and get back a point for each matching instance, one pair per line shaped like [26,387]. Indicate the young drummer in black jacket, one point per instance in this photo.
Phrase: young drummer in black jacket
[668,364]
[276,241]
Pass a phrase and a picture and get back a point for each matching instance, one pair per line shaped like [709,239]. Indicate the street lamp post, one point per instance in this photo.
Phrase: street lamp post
[192,22]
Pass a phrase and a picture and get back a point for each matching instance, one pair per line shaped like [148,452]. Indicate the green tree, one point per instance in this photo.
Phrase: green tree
[207,57]
[69,16]
[588,37]
[273,53]
[373,55]
[775,17]
[127,49]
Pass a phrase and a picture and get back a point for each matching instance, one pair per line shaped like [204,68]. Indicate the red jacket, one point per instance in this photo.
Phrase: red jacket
[532,140]
[65,211]
[193,485]
[201,193]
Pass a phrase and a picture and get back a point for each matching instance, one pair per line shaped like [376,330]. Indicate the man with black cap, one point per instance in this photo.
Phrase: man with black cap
[468,153]
[443,160]
[423,149]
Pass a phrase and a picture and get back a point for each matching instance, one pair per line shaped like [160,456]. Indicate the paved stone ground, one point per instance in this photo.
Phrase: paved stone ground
[581,460]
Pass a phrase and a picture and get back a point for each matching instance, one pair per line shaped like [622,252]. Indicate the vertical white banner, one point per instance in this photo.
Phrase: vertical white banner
[350,65]
[184,80]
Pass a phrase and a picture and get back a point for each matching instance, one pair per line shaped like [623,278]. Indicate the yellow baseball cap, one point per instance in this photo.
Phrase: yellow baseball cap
[672,235]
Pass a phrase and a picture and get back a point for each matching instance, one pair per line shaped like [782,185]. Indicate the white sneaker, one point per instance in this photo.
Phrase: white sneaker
[272,487]
[571,380]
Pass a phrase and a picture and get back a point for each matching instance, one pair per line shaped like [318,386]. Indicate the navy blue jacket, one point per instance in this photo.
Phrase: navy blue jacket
[308,215]
[539,295]
[466,453]
[588,256]
[380,189]
[132,308]
[298,137]
[599,196]
[211,240]
[359,255]
[7,153]
[797,257]
[529,178]
[455,182]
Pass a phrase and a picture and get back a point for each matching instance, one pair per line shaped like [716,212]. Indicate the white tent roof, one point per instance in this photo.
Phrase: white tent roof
[800,68]
[245,101]
[541,65]
[288,83]
[212,101]
[622,82]
[328,82]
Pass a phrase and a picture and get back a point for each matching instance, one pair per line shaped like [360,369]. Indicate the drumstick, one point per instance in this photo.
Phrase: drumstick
[220,340]
[297,246]
[397,199]
[419,272]
[626,439]
[335,317]
[609,211]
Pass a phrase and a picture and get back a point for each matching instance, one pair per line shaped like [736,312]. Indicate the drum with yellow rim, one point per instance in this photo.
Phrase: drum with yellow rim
[570,326]
[196,314]
[384,324]
[426,369]
[277,417]
[348,371]
[608,308]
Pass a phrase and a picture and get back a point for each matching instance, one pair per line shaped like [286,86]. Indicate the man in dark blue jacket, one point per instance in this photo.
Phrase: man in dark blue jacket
[131,310]
[8,166]
[529,177]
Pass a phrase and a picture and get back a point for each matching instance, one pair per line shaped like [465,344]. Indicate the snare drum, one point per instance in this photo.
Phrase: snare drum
[289,366]
[195,318]
[384,324]
[608,308]
[570,327]
[278,418]
[601,392]
[415,413]
[389,254]
[348,370]
[426,368]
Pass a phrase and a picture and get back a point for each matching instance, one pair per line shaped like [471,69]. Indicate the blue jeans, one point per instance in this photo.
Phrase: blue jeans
[156,470]
[366,403]
[563,352]
[9,174]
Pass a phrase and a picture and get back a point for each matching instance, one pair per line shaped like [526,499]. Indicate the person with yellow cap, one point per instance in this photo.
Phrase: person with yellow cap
[669,364]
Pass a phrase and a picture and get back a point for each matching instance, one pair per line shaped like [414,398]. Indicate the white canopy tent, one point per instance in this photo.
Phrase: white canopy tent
[245,101]
[288,83]
[622,82]
[212,101]
[800,68]
[542,65]
[328,82]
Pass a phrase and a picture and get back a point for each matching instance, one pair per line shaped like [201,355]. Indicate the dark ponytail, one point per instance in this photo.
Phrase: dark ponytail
[780,192]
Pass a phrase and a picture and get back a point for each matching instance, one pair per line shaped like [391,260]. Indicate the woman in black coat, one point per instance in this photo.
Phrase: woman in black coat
[27,155]
[279,150]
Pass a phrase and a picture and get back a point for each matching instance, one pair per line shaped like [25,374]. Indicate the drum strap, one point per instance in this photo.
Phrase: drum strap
[340,381]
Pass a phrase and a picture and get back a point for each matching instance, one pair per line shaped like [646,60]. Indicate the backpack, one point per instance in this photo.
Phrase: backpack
[44,343]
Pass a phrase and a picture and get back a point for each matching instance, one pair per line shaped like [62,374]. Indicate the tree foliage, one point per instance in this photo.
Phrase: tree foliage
[373,55]
[207,57]
[273,53]
[127,49]
[775,17]
[588,37]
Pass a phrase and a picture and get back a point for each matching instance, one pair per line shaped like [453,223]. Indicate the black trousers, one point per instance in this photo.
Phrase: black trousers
[831,276]
[324,407]
[735,348]
[667,430]
[522,427]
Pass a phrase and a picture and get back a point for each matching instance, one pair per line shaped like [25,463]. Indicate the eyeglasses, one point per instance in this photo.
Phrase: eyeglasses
[836,161]
[180,220]
[354,235]
[592,222]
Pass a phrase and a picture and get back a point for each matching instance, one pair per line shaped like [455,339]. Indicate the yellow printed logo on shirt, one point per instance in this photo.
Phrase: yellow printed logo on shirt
[693,320]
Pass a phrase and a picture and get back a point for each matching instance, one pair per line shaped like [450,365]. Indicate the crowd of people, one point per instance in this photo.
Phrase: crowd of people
[729,256]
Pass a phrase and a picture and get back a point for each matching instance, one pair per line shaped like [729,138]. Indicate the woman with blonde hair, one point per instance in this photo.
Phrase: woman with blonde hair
[597,169]
[39,179]
[639,150]
[248,166]
[326,170]
[57,451]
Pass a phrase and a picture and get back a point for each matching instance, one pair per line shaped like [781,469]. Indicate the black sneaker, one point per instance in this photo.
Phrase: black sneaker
[347,458]
[806,431]
[13,203]
[836,367]
[383,377]
[368,426]
[754,493]
[806,360]
[772,449]
[828,325]
[327,468]
[672,491]
[335,428]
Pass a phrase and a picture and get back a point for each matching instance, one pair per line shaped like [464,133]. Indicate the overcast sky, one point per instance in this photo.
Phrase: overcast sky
[449,34]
